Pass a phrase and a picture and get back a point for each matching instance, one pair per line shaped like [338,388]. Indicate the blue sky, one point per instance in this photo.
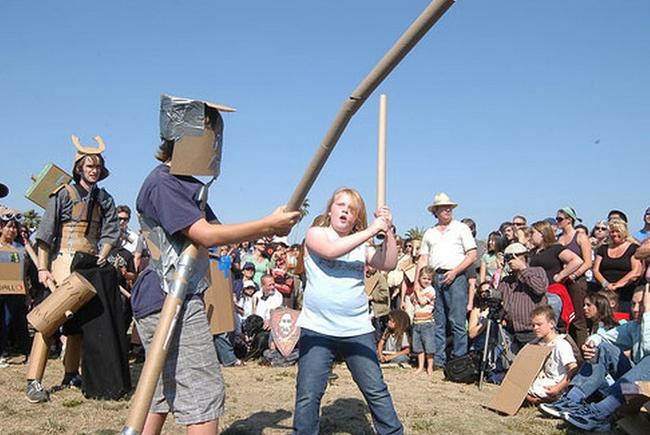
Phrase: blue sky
[507,106]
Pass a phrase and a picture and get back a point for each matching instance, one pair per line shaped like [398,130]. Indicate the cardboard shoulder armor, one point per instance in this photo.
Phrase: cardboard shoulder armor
[197,144]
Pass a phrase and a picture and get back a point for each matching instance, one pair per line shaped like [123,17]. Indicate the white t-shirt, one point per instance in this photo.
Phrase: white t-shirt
[555,367]
[447,249]
[264,307]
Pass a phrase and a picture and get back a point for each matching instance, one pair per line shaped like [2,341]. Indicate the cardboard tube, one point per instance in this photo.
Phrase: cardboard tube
[159,347]
[381,153]
[400,49]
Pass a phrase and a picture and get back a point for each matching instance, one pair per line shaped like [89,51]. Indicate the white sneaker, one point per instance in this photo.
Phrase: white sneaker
[3,363]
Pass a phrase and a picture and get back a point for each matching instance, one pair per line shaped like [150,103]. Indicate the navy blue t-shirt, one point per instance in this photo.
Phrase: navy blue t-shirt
[171,201]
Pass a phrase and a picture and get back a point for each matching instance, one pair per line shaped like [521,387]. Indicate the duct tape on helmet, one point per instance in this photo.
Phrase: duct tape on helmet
[196,128]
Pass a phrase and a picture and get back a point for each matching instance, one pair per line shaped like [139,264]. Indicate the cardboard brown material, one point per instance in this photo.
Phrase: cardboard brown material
[48,180]
[219,304]
[12,279]
[635,424]
[519,378]
[371,282]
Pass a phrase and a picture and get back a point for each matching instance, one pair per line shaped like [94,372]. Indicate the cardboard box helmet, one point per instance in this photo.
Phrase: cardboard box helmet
[83,151]
[196,129]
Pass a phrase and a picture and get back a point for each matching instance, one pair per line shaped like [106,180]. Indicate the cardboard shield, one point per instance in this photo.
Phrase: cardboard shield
[284,329]
[46,182]
[12,279]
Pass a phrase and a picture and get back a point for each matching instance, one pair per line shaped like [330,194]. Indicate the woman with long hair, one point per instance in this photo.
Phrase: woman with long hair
[559,263]
[598,313]
[615,267]
[578,243]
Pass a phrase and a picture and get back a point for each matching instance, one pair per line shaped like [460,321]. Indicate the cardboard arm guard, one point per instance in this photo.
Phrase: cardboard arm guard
[159,346]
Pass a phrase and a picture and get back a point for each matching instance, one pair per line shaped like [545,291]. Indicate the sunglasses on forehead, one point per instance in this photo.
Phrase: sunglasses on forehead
[18,217]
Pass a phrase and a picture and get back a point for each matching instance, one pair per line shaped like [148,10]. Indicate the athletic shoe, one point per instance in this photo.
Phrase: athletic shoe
[35,392]
[71,380]
[588,418]
[3,363]
[560,406]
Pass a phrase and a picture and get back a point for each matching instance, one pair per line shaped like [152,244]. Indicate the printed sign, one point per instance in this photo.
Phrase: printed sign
[12,280]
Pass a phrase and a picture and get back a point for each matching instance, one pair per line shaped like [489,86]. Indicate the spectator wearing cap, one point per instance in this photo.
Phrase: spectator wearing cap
[522,290]
[259,260]
[644,232]
[450,249]
[576,283]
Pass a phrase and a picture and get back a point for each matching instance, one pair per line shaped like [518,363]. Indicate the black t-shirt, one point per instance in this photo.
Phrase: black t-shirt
[614,269]
[549,260]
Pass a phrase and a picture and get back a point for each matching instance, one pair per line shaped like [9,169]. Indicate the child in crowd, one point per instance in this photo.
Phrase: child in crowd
[598,313]
[561,364]
[334,319]
[245,303]
[394,347]
[423,325]
[613,298]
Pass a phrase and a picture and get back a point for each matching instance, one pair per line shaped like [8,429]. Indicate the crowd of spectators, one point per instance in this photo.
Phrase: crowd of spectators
[433,307]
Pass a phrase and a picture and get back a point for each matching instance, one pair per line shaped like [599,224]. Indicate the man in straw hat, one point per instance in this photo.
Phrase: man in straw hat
[78,218]
[173,211]
[449,248]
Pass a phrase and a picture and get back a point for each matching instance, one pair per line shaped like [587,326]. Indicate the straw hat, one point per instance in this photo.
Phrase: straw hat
[441,199]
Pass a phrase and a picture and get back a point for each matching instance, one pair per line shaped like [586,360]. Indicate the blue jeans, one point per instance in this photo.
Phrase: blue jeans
[317,352]
[225,351]
[451,307]
[640,372]
[592,376]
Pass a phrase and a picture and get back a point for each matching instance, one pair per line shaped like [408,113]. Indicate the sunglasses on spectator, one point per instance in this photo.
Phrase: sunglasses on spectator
[600,228]
[559,219]
[122,218]
[518,224]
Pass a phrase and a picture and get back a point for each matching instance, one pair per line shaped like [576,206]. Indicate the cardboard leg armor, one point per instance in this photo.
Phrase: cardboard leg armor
[41,345]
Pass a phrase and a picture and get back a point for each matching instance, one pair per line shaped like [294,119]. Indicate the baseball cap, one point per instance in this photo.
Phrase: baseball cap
[249,283]
[248,265]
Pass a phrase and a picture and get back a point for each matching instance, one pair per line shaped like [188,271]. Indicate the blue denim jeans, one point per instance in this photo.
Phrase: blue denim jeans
[225,351]
[317,352]
[640,372]
[451,307]
[593,375]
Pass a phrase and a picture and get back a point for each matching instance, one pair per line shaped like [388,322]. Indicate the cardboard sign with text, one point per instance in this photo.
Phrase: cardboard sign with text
[520,377]
[219,305]
[12,279]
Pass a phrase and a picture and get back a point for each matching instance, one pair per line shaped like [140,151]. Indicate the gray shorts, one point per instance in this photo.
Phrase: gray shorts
[192,385]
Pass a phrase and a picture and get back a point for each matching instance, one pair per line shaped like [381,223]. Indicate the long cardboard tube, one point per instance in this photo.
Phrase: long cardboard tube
[400,49]
[159,347]
[381,153]
[381,162]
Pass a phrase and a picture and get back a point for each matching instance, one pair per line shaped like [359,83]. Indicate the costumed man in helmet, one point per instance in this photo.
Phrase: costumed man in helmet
[173,211]
[78,218]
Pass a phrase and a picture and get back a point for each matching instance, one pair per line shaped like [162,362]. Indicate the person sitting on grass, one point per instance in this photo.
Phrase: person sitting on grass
[560,365]
[605,360]
[394,346]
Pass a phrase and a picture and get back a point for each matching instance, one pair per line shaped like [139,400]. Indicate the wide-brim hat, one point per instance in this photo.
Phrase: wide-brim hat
[440,200]
[89,151]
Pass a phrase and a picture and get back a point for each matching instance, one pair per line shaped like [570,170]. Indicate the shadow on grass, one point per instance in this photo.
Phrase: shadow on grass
[256,423]
[344,416]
